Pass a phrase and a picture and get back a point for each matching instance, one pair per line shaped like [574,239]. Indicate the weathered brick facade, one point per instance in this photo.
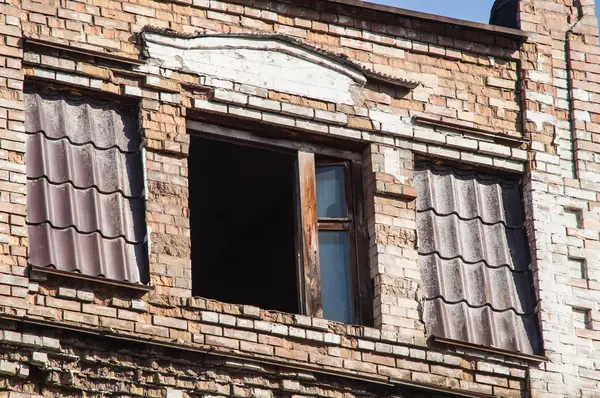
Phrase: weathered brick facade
[466,94]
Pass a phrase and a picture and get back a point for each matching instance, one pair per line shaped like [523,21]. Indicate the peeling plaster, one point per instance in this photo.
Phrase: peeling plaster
[265,62]
[540,118]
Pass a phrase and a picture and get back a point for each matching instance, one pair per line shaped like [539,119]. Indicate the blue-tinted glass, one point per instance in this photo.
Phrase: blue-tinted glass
[331,197]
[335,276]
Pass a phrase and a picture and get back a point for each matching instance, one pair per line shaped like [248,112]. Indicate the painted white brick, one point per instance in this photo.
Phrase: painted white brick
[519,167]
[261,103]
[67,292]
[244,112]
[230,97]
[208,316]
[210,106]
[296,110]
[270,64]
[428,135]
[540,97]
[72,79]
[580,94]
[478,159]
[494,149]
[312,126]
[539,118]
[39,358]
[331,117]
[132,91]
[344,132]
[170,97]
[583,116]
[172,393]
[443,152]
[277,119]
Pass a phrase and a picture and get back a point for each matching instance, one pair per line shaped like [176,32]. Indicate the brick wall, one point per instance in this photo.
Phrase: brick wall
[559,88]
[487,89]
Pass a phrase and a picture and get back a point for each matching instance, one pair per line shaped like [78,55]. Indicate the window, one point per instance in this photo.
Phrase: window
[276,224]
[577,268]
[85,186]
[581,318]
[572,218]
[336,235]
[474,259]
[335,225]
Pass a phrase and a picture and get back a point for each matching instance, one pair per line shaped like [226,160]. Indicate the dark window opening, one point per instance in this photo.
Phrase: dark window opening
[242,212]
[278,224]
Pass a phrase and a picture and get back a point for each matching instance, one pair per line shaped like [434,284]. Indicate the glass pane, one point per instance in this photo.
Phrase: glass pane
[335,276]
[331,196]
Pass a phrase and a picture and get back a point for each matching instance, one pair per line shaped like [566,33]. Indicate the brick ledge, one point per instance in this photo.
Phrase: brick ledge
[385,381]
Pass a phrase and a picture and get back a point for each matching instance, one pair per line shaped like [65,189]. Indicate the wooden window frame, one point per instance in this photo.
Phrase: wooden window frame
[308,224]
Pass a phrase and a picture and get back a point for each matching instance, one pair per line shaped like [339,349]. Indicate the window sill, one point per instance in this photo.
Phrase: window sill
[492,350]
[496,137]
[133,287]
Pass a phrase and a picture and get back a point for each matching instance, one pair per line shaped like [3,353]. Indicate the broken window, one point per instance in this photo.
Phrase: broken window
[474,260]
[276,227]
[85,187]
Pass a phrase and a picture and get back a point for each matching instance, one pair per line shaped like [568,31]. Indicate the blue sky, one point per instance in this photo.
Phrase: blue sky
[471,10]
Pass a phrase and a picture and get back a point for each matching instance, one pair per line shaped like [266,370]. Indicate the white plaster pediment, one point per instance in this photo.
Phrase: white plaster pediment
[265,61]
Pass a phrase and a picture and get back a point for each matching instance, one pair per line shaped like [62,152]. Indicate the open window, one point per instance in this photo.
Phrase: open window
[279,225]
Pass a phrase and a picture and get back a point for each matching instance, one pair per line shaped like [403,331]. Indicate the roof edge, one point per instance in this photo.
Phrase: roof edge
[517,34]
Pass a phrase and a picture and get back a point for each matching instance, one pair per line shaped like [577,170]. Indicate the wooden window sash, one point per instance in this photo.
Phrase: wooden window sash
[363,289]
[309,224]
[309,271]
[329,220]
[290,143]
[349,224]
[334,227]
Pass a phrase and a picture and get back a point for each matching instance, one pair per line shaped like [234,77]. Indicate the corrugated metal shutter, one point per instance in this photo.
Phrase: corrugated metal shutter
[85,186]
[474,260]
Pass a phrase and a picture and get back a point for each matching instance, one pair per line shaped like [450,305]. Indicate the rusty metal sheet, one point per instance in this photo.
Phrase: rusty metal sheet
[474,260]
[85,187]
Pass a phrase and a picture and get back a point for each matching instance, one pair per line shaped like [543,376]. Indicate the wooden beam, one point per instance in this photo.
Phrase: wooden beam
[134,287]
[499,351]
[497,137]
[29,41]
[240,136]
[311,271]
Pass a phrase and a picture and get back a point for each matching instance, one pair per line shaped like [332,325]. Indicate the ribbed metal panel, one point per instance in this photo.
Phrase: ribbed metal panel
[109,170]
[83,120]
[90,254]
[85,187]
[114,215]
[474,260]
